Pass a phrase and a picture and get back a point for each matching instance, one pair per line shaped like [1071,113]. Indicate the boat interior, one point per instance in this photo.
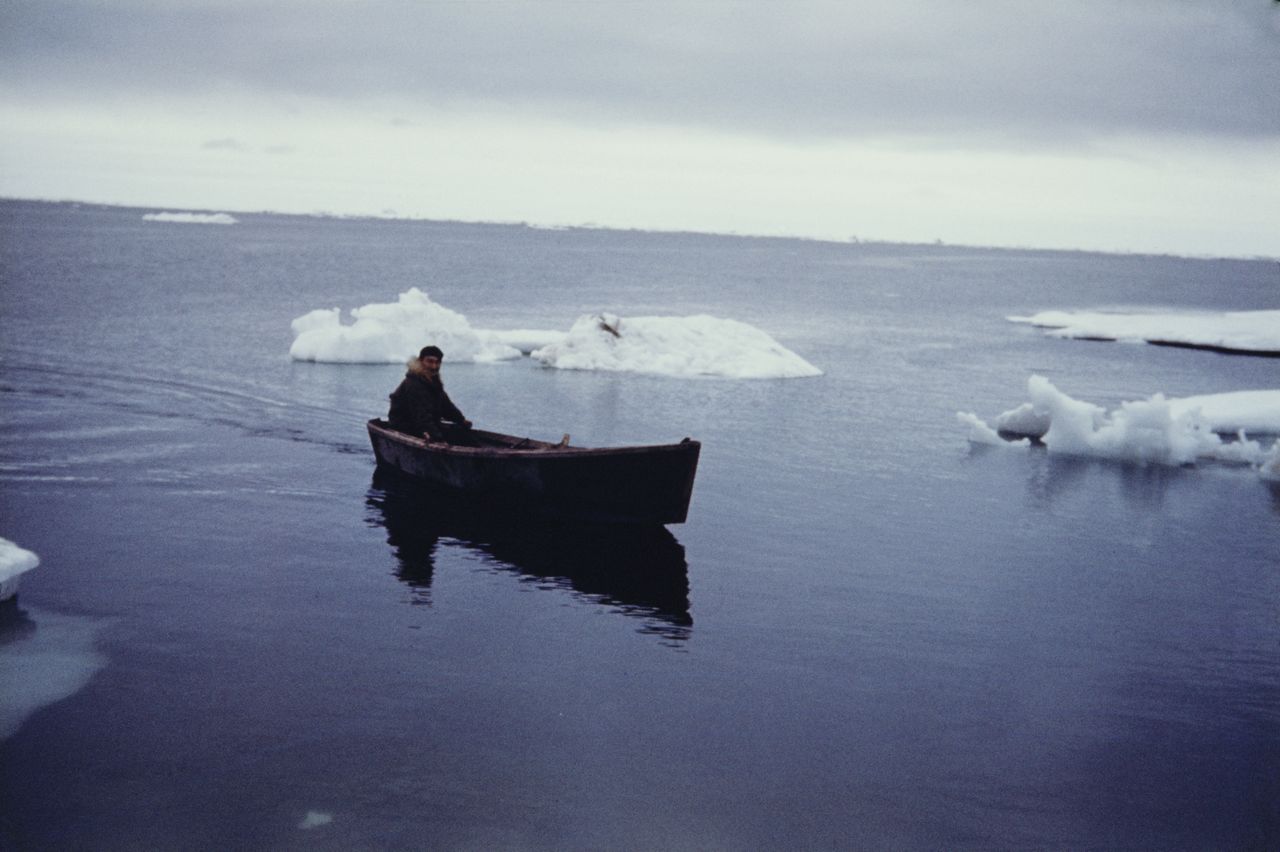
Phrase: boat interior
[512,442]
[493,440]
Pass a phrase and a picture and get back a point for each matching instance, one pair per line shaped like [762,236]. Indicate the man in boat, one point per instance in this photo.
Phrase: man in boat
[420,406]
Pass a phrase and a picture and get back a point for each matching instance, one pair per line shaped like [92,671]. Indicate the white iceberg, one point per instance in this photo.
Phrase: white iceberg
[192,218]
[674,346]
[390,333]
[1233,331]
[1155,430]
[14,562]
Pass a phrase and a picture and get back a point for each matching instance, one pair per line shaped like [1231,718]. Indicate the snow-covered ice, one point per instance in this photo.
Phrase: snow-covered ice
[389,333]
[1238,331]
[1270,469]
[192,218]
[14,562]
[669,346]
[981,433]
[1228,413]
[1155,430]
[674,346]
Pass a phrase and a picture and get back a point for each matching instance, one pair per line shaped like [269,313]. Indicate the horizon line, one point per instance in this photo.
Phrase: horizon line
[393,216]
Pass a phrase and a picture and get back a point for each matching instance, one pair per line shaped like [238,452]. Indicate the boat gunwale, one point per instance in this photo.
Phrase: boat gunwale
[546,450]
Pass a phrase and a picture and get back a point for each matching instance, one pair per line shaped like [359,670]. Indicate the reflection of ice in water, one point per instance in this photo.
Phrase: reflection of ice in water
[44,658]
[315,819]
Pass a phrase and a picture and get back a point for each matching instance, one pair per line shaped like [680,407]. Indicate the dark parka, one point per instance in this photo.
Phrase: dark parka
[420,403]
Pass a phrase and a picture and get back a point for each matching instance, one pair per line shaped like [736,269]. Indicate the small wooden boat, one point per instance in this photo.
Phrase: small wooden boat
[614,485]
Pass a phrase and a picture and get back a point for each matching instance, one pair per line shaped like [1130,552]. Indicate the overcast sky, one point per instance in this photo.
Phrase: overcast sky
[1111,124]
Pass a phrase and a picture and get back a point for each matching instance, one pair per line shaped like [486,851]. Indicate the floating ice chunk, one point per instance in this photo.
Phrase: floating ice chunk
[674,346]
[317,320]
[1270,467]
[192,218]
[1142,430]
[1236,331]
[1024,420]
[669,346]
[14,562]
[1155,430]
[389,333]
[315,819]
[981,433]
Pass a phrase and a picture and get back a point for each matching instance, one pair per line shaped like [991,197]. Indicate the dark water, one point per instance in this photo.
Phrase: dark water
[868,635]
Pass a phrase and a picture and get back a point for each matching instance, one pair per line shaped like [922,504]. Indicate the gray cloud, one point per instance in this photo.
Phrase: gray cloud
[997,69]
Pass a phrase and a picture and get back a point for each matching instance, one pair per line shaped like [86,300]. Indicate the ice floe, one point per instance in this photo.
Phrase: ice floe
[674,346]
[192,218]
[1154,430]
[1255,332]
[389,333]
[14,562]
[1228,413]
[668,346]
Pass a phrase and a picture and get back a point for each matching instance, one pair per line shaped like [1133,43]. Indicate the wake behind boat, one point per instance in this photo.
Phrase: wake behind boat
[616,485]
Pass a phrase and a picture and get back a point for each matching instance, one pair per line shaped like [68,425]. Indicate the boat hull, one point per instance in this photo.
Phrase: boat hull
[622,485]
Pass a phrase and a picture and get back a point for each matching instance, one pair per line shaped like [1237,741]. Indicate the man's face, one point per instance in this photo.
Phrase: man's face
[431,364]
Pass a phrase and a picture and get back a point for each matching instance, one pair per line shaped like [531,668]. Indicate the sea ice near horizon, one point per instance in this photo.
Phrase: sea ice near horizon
[192,218]
[1237,331]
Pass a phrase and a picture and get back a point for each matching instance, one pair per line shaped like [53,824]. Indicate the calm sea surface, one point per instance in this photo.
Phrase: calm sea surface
[868,635]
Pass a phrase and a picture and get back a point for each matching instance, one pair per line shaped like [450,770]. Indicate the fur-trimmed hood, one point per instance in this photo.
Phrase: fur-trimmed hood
[413,367]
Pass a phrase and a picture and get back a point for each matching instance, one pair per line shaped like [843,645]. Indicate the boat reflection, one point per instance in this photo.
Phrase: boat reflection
[640,572]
